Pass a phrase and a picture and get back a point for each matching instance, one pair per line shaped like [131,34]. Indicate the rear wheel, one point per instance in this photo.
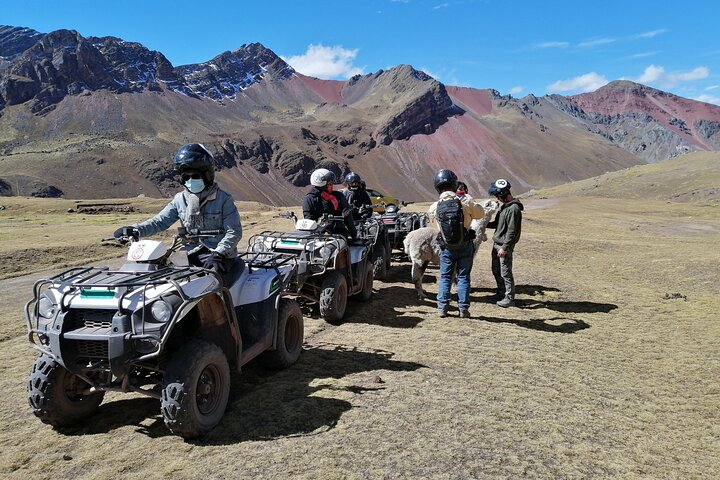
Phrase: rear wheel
[366,292]
[58,397]
[196,388]
[289,336]
[379,263]
[333,297]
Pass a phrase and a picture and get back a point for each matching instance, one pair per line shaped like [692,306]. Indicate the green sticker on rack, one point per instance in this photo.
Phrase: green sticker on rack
[97,294]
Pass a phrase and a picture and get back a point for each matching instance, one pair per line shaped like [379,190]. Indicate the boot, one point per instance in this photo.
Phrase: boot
[506,302]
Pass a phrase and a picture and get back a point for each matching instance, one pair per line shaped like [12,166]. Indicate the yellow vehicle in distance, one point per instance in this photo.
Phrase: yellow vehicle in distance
[381,201]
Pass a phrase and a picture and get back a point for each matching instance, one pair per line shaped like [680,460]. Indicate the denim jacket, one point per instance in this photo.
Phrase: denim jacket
[218,212]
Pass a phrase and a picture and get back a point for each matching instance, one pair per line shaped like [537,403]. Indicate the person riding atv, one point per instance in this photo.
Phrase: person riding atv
[322,200]
[201,205]
[357,197]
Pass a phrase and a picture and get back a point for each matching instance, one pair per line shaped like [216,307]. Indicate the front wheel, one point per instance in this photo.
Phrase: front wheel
[58,397]
[289,336]
[333,297]
[196,388]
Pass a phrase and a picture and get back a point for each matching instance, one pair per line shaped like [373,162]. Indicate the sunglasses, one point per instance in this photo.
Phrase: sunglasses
[189,175]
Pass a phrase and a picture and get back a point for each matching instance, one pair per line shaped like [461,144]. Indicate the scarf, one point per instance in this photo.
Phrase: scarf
[192,217]
[330,198]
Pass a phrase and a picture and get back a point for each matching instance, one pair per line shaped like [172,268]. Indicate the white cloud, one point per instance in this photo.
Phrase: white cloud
[641,55]
[656,74]
[712,87]
[435,75]
[584,83]
[596,42]
[552,45]
[442,5]
[708,99]
[326,62]
[651,33]
[516,90]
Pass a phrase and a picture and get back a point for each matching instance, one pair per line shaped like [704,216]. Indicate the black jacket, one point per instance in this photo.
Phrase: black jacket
[356,199]
[314,207]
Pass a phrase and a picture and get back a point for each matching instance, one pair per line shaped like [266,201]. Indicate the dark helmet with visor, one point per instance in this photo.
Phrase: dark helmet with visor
[353,181]
[195,157]
[499,188]
[445,180]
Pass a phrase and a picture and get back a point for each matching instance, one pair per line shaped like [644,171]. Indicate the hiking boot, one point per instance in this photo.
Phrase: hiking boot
[442,312]
[464,313]
[506,302]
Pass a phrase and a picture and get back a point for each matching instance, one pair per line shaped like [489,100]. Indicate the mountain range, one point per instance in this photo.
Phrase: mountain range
[100,117]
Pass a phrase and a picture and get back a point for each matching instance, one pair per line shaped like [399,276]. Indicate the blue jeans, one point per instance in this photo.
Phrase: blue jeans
[460,261]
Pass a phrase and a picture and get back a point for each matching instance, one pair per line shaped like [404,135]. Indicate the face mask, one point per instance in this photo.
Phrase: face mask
[195,185]
[329,187]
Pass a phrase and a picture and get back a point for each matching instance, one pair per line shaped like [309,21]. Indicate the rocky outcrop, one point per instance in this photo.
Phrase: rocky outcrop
[709,130]
[15,40]
[231,72]
[418,103]
[43,69]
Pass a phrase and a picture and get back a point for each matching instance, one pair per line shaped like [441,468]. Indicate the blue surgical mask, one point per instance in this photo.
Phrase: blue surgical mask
[195,185]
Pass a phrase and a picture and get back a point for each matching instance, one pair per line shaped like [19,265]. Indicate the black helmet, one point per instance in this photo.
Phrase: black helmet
[445,180]
[499,188]
[353,181]
[194,156]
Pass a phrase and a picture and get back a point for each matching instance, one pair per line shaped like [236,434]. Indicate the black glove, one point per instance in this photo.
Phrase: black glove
[126,232]
[214,261]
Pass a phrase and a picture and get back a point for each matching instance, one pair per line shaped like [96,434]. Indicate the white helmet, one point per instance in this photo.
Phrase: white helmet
[321,177]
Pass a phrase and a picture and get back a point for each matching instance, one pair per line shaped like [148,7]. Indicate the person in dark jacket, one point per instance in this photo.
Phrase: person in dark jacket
[357,197]
[321,200]
[507,225]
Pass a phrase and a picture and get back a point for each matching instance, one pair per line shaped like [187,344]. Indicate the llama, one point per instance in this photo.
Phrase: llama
[422,247]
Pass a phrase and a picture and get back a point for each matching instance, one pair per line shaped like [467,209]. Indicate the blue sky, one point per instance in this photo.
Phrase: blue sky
[517,47]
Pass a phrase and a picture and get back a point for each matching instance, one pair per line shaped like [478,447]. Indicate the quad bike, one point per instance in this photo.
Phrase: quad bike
[399,224]
[160,329]
[329,268]
[373,229]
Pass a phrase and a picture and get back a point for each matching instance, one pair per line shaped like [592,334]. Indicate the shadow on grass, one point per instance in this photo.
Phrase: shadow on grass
[382,308]
[266,404]
[554,325]
[302,400]
[567,307]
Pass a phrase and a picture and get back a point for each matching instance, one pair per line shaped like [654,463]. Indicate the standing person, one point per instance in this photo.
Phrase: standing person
[507,225]
[201,205]
[357,197]
[321,199]
[453,217]
[462,191]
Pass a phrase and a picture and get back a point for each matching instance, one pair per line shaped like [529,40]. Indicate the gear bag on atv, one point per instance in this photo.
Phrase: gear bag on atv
[453,234]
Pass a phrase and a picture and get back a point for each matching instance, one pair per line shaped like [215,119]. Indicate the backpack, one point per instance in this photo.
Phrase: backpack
[451,220]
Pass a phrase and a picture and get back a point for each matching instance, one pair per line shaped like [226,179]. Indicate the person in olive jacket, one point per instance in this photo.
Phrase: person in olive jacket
[507,225]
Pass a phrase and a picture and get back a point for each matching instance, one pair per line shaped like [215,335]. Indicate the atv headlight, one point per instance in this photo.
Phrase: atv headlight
[326,252]
[259,246]
[46,307]
[161,311]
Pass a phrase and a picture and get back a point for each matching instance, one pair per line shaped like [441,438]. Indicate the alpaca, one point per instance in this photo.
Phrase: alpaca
[422,247]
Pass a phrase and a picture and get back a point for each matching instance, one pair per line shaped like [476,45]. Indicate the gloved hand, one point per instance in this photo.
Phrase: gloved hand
[214,261]
[129,231]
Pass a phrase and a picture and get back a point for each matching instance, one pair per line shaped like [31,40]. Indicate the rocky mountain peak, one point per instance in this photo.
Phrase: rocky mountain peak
[15,40]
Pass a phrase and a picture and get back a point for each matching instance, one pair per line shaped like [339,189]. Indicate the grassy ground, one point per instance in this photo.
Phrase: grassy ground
[595,374]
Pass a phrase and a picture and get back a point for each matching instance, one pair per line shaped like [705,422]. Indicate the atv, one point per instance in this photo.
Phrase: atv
[399,224]
[161,329]
[329,268]
[374,230]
